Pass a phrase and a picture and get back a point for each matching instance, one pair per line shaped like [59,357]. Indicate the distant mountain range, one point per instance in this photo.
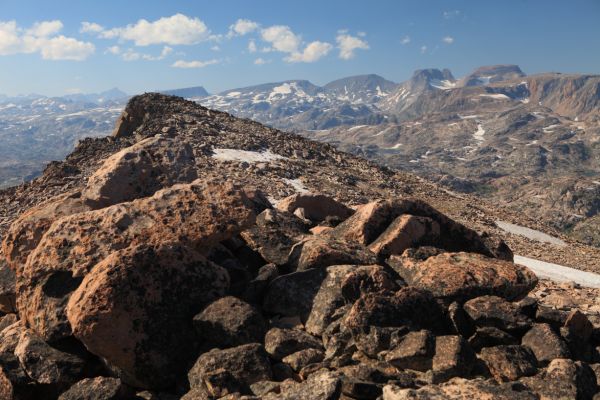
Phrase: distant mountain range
[531,142]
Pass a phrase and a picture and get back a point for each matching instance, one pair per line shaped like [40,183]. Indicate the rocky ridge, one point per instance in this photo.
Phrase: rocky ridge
[260,265]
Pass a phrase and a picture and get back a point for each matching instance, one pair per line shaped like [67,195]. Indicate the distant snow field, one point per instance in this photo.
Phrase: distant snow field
[245,155]
[495,96]
[559,273]
[478,135]
[529,233]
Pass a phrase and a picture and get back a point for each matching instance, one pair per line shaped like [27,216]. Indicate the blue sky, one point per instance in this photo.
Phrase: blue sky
[57,47]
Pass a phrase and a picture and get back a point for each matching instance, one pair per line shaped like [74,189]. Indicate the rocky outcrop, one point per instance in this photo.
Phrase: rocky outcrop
[316,207]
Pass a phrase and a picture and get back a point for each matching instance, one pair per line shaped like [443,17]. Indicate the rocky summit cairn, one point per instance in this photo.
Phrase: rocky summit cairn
[152,280]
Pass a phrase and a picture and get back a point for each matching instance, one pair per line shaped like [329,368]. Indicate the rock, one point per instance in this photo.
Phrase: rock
[280,343]
[328,299]
[7,320]
[545,343]
[255,289]
[7,288]
[378,339]
[230,370]
[26,232]
[229,322]
[322,385]
[496,312]
[509,363]
[198,214]
[415,351]
[556,318]
[100,388]
[463,276]
[453,357]
[372,219]
[360,390]
[316,207]
[302,358]
[293,294]
[139,171]
[489,336]
[14,381]
[408,307]
[135,309]
[405,232]
[459,319]
[321,251]
[47,365]
[367,279]
[564,379]
[579,325]
[274,235]
[261,388]
[461,389]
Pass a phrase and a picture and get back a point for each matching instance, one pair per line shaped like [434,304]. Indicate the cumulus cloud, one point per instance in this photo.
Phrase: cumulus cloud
[311,53]
[113,50]
[348,44]
[252,46]
[178,29]
[405,40]
[242,27]
[261,61]
[451,14]
[194,64]
[423,49]
[42,38]
[132,55]
[90,27]
[281,38]
[448,39]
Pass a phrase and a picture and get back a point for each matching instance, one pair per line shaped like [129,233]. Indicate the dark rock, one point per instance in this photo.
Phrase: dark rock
[7,320]
[229,322]
[280,343]
[564,379]
[497,312]
[460,321]
[100,388]
[302,358]
[317,207]
[378,339]
[293,294]
[367,279]
[556,318]
[7,288]
[322,385]
[509,363]
[261,388]
[579,325]
[545,343]
[320,251]
[453,357]
[360,390]
[461,389]
[489,336]
[415,351]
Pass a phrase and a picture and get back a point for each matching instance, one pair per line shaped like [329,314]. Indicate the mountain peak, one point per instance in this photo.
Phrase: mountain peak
[491,74]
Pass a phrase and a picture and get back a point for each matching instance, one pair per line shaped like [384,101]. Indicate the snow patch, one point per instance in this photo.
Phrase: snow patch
[559,273]
[297,185]
[468,116]
[442,84]
[356,127]
[245,155]
[529,233]
[478,135]
[499,96]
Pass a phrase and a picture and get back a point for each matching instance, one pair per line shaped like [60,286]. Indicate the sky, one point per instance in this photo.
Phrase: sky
[57,47]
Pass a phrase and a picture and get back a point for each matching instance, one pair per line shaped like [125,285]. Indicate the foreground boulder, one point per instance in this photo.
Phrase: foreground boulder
[101,388]
[198,214]
[140,170]
[135,309]
[316,207]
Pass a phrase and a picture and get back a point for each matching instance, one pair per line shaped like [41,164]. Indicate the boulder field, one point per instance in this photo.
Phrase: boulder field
[154,283]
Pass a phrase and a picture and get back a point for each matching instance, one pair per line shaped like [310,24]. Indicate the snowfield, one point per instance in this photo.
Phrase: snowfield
[559,273]
[244,155]
[529,233]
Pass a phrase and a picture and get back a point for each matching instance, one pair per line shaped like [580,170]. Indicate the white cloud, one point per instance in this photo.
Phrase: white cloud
[90,27]
[281,38]
[242,27]
[215,48]
[178,29]
[448,39]
[132,55]
[405,40]
[362,34]
[252,46]
[312,52]
[348,44]
[194,64]
[113,50]
[261,61]
[451,14]
[423,49]
[41,38]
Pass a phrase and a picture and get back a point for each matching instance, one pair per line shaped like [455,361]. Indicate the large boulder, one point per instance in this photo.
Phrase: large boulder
[322,385]
[135,309]
[198,215]
[322,251]
[415,351]
[100,388]
[564,379]
[509,363]
[404,232]
[496,312]
[462,276]
[280,343]
[140,170]
[7,288]
[371,220]
[545,343]
[316,207]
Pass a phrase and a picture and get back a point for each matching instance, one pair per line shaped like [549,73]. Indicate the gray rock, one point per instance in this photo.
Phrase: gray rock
[280,343]
[545,343]
[415,351]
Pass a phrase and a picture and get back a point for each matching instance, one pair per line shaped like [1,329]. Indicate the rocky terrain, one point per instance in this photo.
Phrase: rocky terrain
[196,255]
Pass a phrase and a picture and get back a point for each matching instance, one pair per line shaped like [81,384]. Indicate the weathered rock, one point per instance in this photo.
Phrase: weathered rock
[100,388]
[321,251]
[227,371]
[139,171]
[280,343]
[461,389]
[7,288]
[459,319]
[135,309]
[489,336]
[372,219]
[316,207]
[322,385]
[410,307]
[328,299]
[197,214]
[302,358]
[497,312]
[274,235]
[26,232]
[579,325]
[378,339]
[367,279]
[453,357]
[360,390]
[545,343]
[230,322]
[509,363]
[7,320]
[463,276]
[47,365]
[564,379]
[405,232]
[415,351]
[14,380]
[548,315]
